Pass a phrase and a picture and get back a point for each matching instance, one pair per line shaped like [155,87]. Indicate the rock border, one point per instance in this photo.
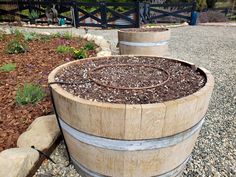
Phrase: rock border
[43,133]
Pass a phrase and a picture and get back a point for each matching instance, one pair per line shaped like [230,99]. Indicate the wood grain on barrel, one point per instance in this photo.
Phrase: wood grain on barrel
[143,37]
[130,163]
[132,122]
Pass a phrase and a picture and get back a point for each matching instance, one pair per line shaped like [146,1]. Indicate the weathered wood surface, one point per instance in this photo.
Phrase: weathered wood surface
[143,43]
[162,135]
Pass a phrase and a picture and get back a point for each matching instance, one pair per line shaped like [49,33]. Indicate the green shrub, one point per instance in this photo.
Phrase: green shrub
[89,46]
[1,36]
[15,47]
[80,54]
[34,15]
[29,93]
[8,67]
[16,32]
[45,38]
[65,35]
[64,49]
[30,36]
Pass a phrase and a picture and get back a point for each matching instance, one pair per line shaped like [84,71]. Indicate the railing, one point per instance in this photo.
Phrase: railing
[99,14]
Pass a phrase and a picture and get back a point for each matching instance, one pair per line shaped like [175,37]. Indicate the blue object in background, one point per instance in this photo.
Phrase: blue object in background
[61,21]
[194,16]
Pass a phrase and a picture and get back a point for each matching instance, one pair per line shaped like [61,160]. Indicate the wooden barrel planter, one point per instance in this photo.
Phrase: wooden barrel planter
[137,137]
[144,41]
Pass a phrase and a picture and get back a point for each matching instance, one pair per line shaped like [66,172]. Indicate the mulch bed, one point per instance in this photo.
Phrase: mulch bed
[131,80]
[31,67]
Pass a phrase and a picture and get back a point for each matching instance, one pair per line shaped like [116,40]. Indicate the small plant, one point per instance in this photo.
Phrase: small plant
[67,35]
[8,67]
[16,32]
[29,94]
[30,36]
[89,46]
[1,35]
[33,16]
[64,49]
[45,38]
[80,54]
[15,47]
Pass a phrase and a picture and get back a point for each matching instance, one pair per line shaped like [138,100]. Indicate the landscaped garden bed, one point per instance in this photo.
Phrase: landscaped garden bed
[25,62]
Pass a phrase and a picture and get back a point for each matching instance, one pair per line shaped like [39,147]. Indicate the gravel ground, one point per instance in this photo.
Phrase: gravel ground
[215,49]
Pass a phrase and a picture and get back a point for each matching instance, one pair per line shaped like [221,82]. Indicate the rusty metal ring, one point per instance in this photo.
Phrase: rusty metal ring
[127,88]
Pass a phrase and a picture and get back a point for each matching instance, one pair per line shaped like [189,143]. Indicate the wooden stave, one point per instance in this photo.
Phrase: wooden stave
[108,162]
[142,37]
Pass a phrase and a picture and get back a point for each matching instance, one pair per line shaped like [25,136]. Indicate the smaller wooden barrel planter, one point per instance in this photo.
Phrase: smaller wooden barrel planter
[119,125]
[144,41]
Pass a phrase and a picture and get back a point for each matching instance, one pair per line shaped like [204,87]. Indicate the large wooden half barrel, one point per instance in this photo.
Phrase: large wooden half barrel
[139,140]
[148,41]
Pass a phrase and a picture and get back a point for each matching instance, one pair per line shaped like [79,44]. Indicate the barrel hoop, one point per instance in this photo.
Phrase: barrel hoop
[172,173]
[130,145]
[144,44]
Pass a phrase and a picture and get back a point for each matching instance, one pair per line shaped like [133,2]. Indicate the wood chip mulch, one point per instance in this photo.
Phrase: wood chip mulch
[31,67]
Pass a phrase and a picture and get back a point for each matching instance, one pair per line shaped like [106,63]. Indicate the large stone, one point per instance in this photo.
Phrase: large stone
[42,133]
[17,162]
[104,44]
[98,40]
[104,53]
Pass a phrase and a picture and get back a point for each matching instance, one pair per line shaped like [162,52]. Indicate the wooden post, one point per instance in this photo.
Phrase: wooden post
[76,15]
[103,14]
[138,21]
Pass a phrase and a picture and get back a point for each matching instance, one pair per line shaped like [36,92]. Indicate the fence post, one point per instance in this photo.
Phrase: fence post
[103,14]
[76,15]
[138,21]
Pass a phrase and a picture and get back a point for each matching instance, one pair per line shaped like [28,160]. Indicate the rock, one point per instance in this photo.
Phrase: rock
[98,40]
[104,44]
[17,162]
[42,133]
[89,37]
[104,53]
[45,33]
[86,36]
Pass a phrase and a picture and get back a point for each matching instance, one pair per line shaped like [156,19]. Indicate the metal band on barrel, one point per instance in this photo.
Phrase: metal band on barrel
[175,172]
[144,44]
[134,145]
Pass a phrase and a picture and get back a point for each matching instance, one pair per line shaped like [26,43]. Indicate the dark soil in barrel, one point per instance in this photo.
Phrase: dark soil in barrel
[131,80]
[145,30]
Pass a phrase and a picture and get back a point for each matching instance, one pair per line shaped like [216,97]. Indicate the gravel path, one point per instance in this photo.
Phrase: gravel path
[215,49]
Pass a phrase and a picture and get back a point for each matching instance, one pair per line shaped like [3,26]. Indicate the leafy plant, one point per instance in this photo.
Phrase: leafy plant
[15,47]
[16,32]
[8,67]
[80,54]
[89,46]
[34,15]
[29,93]
[65,35]
[45,38]
[30,36]
[64,49]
